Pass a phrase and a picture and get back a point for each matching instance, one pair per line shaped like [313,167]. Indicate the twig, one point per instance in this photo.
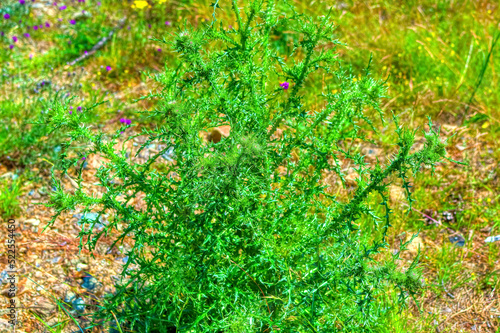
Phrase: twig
[430,218]
[101,43]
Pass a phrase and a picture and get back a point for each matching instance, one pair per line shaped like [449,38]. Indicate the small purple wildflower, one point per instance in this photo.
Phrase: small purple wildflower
[71,112]
[11,46]
[40,26]
[47,24]
[285,85]
[31,56]
[84,158]
[73,22]
[230,26]
[108,68]
[62,8]
[59,19]
[149,26]
[98,3]
[22,2]
[27,35]
[122,120]
[14,39]
[86,52]
[79,108]
[159,50]
[2,33]
[168,23]
[128,121]
[70,106]
[35,27]
[6,16]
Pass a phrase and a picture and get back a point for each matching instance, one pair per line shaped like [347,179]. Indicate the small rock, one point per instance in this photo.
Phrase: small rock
[79,304]
[81,266]
[169,154]
[56,260]
[89,282]
[87,217]
[492,239]
[33,222]
[457,240]
[70,297]
[3,276]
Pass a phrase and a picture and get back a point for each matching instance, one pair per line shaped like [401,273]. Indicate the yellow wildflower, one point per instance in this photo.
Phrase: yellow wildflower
[140,4]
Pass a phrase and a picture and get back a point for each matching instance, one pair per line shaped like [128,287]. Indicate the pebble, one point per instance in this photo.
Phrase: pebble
[89,282]
[492,239]
[457,240]
[169,154]
[81,266]
[70,297]
[87,217]
[56,260]
[33,222]
[79,304]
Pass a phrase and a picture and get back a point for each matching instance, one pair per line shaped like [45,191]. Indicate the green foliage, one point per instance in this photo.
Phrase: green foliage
[242,235]
[9,194]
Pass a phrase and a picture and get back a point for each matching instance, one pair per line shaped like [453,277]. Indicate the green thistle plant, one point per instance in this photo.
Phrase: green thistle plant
[242,235]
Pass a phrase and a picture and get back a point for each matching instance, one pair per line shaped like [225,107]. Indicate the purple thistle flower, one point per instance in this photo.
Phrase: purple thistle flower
[14,39]
[86,52]
[22,2]
[11,46]
[40,26]
[149,26]
[285,85]
[6,16]
[128,121]
[27,35]
[35,27]
[98,3]
[108,68]
[71,112]
[159,50]
[84,158]
[62,8]
[122,120]
[168,23]
[72,22]
[79,108]
[47,24]
[70,106]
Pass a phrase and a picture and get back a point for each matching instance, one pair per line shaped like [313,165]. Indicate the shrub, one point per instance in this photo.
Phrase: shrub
[243,235]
